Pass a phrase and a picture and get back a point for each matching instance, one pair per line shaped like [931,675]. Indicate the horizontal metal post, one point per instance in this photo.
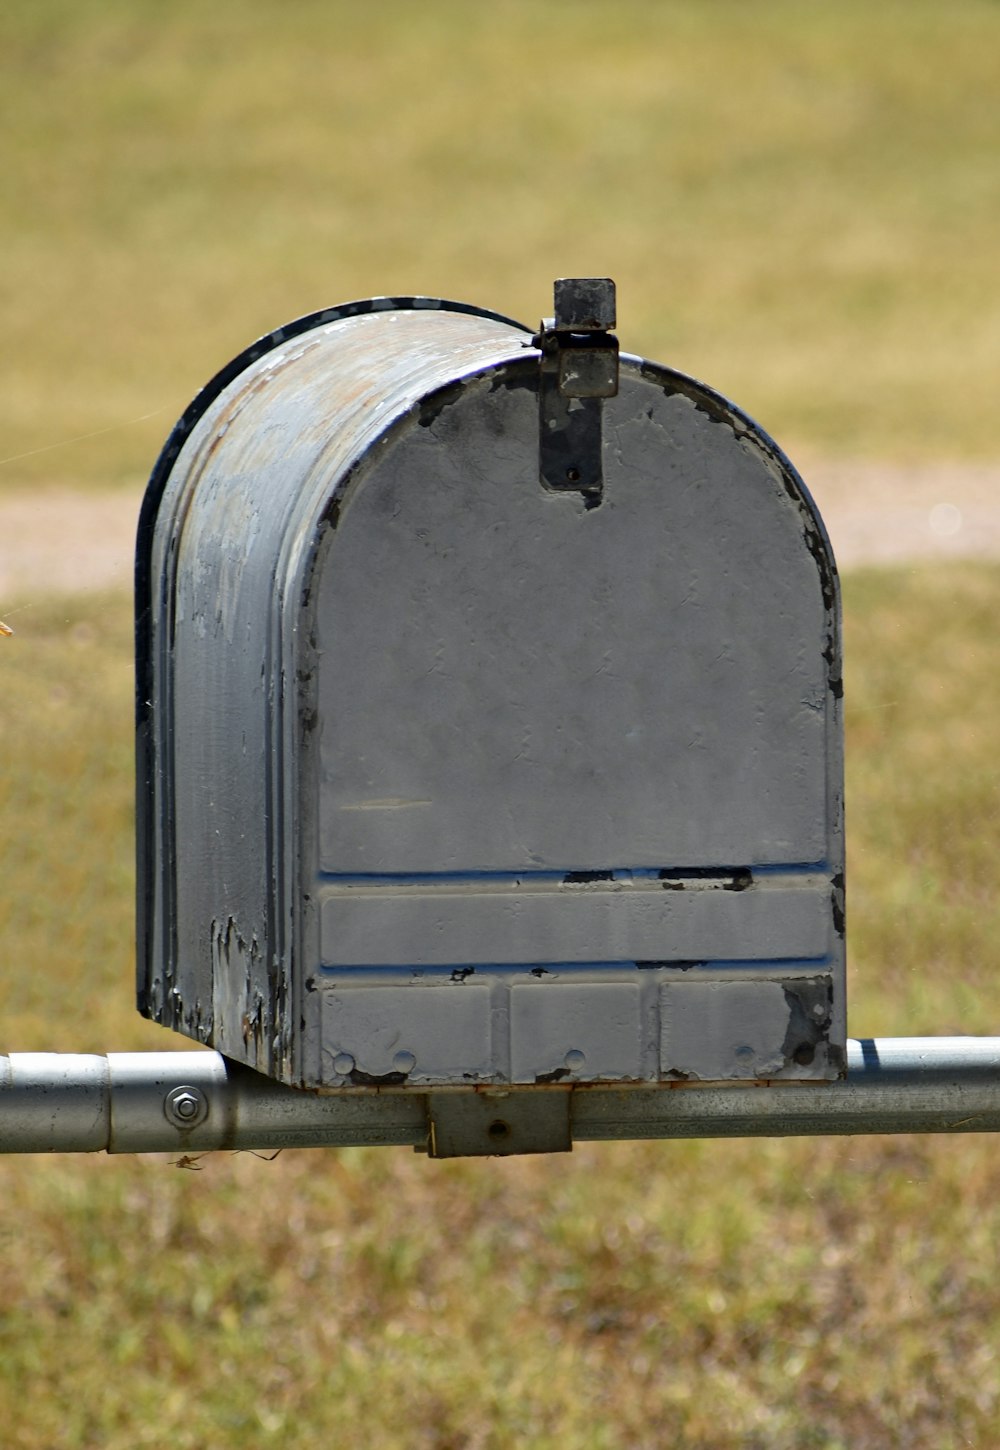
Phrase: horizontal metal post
[198,1102]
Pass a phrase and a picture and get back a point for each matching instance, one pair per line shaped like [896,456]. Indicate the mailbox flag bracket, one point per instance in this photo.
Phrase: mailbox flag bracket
[579,369]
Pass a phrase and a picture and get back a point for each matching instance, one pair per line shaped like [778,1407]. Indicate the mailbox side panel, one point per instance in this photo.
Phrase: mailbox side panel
[242,503]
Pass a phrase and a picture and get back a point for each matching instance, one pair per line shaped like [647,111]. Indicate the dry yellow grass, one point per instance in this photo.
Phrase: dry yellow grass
[800,203]
[724,1296]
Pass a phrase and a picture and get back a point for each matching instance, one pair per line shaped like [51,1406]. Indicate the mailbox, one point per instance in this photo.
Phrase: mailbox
[489,720]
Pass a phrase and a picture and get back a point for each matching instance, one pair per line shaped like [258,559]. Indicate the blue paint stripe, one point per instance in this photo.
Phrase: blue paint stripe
[623,874]
[770,966]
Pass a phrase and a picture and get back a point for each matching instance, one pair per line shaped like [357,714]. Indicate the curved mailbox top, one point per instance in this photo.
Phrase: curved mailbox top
[489,719]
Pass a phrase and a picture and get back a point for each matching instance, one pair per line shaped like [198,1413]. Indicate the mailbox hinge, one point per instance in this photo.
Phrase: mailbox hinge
[579,369]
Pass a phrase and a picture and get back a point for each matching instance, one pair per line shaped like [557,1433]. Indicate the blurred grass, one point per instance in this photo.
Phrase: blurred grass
[800,202]
[724,1296]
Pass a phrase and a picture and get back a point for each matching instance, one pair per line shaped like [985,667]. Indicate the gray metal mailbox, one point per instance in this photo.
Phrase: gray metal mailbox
[489,723]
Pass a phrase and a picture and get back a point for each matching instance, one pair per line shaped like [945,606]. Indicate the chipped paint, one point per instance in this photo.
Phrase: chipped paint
[239,1004]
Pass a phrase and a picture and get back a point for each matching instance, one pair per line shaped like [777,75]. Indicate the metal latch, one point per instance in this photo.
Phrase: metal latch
[579,369]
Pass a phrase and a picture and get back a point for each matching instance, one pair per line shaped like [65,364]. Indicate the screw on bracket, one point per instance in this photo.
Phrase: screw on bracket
[185,1107]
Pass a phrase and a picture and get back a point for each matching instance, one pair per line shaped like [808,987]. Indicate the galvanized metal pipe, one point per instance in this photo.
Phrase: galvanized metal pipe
[197,1102]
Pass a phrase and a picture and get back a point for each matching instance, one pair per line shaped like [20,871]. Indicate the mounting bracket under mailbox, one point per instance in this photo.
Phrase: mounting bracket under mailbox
[464,1124]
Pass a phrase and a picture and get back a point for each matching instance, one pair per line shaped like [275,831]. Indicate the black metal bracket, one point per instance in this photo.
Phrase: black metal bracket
[579,369]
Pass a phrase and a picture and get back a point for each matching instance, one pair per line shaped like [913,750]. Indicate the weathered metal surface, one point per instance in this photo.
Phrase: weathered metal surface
[63,1103]
[447,778]
[219,584]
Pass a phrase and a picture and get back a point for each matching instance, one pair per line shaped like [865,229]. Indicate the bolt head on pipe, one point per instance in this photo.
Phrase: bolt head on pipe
[185,1107]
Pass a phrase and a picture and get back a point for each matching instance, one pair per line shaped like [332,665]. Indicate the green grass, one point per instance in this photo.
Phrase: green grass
[766,1295]
[800,202]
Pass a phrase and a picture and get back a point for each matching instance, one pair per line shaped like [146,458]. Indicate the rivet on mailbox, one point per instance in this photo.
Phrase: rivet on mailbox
[489,727]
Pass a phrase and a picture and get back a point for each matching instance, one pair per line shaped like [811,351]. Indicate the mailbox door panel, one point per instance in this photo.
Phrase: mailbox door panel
[226,526]
[571,754]
[509,680]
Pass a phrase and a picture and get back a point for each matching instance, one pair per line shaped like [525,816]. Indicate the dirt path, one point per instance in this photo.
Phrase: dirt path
[55,541]
[59,542]
[880,514]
